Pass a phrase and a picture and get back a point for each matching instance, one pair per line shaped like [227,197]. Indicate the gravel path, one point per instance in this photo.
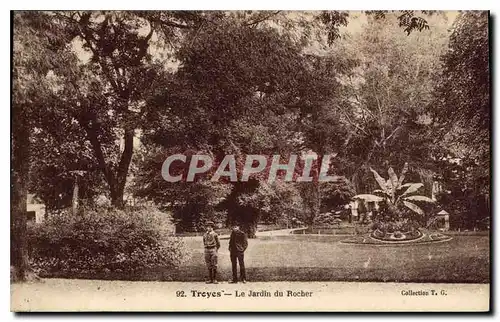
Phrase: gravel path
[278,232]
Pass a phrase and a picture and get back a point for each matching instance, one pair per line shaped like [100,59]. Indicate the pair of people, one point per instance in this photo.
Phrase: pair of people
[238,243]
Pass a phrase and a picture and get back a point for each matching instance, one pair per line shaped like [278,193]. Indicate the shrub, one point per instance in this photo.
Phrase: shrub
[105,239]
[326,219]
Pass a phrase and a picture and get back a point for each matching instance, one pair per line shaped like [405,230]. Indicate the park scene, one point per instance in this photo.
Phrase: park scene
[347,146]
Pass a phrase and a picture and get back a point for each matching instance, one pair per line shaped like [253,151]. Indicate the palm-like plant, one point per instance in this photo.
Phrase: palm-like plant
[396,194]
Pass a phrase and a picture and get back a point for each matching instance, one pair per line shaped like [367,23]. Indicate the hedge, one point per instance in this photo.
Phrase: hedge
[105,239]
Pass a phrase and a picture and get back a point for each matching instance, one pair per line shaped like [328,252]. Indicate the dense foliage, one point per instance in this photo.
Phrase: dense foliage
[103,239]
[462,119]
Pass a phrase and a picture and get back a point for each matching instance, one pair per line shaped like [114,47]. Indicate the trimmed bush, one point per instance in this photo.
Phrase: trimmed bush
[106,239]
[329,219]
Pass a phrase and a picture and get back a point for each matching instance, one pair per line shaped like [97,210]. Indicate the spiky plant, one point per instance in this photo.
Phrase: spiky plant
[396,194]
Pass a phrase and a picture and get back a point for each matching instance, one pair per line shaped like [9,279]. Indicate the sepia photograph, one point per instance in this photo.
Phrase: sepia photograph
[250,160]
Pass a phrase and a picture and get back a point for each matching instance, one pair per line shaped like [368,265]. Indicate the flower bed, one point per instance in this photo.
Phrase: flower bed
[396,235]
[424,238]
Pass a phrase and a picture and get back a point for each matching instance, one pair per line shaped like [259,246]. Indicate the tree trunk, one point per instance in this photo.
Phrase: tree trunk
[315,204]
[250,228]
[118,192]
[74,202]
[246,216]
[116,195]
[317,209]
[18,242]
[20,268]
[115,177]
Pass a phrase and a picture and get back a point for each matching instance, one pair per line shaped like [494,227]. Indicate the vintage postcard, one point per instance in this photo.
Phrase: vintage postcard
[278,161]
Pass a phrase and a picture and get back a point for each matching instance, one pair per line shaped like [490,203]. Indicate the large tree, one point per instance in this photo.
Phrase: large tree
[110,101]
[462,113]
[40,53]
[383,106]
[238,90]
[79,82]
[462,108]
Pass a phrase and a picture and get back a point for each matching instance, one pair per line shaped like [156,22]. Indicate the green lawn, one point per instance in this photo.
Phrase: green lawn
[465,259]
[323,258]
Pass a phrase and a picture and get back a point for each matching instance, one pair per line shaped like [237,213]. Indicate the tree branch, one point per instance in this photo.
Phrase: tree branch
[352,123]
[376,98]
[393,132]
[175,25]
[96,146]
[255,22]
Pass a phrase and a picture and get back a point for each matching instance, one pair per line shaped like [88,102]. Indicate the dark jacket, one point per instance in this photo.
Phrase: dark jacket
[238,241]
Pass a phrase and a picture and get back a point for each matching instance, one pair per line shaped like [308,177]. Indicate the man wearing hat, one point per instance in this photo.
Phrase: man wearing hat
[238,243]
[212,245]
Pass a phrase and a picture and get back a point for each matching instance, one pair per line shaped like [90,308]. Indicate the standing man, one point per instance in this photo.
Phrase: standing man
[212,245]
[238,243]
